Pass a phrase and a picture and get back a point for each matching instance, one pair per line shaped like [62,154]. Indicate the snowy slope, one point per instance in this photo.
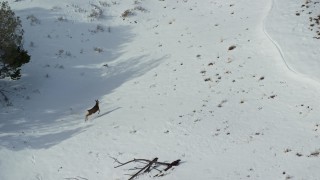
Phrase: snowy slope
[169,88]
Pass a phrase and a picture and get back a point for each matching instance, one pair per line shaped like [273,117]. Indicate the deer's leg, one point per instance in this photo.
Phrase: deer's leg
[87,116]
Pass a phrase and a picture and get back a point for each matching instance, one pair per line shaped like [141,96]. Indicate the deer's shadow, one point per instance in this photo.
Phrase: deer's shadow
[105,113]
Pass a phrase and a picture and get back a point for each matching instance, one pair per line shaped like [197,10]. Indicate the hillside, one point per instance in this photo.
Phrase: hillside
[229,87]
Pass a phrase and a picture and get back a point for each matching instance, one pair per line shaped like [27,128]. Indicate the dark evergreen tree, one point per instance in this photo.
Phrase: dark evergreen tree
[12,54]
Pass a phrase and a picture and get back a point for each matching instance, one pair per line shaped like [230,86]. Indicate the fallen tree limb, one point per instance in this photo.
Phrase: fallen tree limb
[148,167]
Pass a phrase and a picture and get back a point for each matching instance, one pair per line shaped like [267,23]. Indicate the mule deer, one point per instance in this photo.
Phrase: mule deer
[93,110]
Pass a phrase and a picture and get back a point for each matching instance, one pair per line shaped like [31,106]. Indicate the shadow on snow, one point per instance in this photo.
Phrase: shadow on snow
[65,75]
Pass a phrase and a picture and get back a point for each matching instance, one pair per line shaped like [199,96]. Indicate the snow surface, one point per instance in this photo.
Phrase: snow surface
[169,88]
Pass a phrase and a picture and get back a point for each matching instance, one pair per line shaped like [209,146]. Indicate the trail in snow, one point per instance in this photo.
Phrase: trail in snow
[273,41]
[278,47]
